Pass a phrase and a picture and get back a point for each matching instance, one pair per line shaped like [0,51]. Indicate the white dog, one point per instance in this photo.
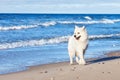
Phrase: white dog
[77,45]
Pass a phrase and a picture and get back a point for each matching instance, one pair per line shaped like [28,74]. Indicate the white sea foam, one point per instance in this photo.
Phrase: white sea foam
[48,41]
[17,27]
[108,21]
[88,17]
[65,22]
[103,36]
[116,20]
[46,24]
[77,22]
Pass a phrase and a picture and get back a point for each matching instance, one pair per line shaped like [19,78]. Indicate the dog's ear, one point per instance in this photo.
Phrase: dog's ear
[76,27]
[83,27]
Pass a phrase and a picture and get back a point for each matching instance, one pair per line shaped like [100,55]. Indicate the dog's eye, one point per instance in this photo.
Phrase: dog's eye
[78,33]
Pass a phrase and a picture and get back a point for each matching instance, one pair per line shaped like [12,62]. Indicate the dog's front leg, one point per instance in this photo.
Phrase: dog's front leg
[71,55]
[71,60]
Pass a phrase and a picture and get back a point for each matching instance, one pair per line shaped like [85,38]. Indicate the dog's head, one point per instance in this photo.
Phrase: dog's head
[80,32]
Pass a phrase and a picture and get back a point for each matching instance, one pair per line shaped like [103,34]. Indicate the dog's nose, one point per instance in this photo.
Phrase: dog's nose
[74,35]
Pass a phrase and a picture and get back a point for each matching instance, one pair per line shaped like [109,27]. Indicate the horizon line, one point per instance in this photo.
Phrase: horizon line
[62,13]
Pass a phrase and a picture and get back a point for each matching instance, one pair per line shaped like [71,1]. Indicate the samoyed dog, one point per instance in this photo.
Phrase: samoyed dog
[77,45]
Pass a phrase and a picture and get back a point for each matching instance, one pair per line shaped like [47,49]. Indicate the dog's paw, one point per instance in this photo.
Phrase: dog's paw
[82,62]
[71,63]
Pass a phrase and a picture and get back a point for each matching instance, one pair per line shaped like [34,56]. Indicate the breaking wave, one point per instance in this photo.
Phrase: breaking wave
[45,24]
[103,21]
[34,42]
[52,23]
[102,36]
[17,27]
[48,41]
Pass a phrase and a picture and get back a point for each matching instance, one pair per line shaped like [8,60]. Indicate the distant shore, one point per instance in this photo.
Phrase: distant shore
[106,68]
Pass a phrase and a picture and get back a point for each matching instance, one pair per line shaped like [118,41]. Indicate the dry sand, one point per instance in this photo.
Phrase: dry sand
[107,68]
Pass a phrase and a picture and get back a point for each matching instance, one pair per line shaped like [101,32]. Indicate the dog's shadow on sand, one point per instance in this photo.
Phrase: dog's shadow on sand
[98,60]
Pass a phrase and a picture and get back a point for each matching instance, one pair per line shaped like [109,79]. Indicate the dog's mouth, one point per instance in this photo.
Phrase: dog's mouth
[77,38]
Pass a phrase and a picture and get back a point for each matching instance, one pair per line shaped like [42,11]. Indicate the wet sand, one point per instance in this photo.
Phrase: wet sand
[106,68]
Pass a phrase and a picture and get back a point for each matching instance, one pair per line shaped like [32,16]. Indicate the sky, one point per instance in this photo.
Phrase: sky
[61,6]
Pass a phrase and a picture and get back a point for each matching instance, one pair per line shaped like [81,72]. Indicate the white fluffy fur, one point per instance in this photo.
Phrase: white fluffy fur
[77,46]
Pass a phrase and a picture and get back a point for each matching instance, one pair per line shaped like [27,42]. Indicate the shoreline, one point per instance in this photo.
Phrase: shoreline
[103,68]
[89,61]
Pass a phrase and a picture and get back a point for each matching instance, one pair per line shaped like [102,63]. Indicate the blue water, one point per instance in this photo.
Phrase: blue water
[35,39]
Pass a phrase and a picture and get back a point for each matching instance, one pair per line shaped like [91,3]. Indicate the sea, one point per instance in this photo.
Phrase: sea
[36,39]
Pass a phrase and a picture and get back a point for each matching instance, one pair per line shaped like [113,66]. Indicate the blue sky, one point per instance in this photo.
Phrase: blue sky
[60,6]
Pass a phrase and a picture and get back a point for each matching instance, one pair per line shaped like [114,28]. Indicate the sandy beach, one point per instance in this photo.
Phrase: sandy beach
[106,68]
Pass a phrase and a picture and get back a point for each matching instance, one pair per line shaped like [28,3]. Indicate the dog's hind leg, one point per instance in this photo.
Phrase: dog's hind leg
[82,60]
[77,59]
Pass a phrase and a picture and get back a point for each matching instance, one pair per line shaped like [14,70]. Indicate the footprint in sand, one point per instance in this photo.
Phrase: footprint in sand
[118,62]
[77,77]
[73,69]
[106,72]
[46,72]
[109,72]
[101,63]
[61,69]
[41,72]
[103,72]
